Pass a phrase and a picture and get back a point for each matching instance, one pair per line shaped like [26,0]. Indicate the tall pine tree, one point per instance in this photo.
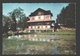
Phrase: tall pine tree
[67,16]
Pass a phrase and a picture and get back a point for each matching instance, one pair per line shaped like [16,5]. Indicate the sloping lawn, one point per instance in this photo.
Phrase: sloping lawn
[61,32]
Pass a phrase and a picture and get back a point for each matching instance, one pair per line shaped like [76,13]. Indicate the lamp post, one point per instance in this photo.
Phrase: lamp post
[18,48]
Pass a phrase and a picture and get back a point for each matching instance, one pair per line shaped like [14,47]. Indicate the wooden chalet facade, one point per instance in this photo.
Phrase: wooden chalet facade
[40,20]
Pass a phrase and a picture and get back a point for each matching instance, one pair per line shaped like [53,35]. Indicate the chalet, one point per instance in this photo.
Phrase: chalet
[41,20]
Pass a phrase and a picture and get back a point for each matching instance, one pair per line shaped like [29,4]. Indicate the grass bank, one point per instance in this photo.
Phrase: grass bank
[60,32]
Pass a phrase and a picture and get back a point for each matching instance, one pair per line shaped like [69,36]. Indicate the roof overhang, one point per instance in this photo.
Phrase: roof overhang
[41,21]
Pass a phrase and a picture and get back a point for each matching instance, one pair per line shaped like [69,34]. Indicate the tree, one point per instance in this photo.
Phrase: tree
[6,22]
[16,14]
[23,23]
[67,16]
[56,26]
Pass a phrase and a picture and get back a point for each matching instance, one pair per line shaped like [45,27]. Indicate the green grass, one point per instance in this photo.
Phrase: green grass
[69,38]
[11,45]
[14,42]
[61,32]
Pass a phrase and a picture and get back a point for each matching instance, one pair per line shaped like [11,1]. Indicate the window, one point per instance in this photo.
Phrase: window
[32,18]
[31,27]
[38,27]
[47,16]
[39,17]
[39,13]
[43,26]
[50,17]
[48,26]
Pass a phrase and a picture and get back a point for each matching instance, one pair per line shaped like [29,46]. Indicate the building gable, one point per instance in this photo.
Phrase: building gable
[40,11]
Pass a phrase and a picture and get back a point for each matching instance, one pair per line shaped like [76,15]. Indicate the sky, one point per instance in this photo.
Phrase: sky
[28,8]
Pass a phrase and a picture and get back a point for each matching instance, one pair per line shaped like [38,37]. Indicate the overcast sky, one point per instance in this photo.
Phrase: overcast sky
[55,8]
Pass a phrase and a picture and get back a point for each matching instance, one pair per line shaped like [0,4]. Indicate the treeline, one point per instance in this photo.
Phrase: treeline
[67,17]
[15,20]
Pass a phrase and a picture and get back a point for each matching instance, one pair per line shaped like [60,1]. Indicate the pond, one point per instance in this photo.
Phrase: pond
[39,44]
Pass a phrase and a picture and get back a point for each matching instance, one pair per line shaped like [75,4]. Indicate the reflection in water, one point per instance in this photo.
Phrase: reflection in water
[18,48]
[55,50]
[34,37]
[39,38]
[36,48]
[44,38]
[4,46]
[47,40]
[15,36]
[22,46]
[27,51]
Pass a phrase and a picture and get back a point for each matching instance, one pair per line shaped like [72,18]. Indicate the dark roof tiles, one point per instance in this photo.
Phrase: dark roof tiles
[47,12]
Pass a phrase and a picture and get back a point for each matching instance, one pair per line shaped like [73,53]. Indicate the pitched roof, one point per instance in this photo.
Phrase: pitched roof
[46,12]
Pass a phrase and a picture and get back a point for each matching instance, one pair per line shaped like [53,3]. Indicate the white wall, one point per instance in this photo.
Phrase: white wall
[42,17]
[37,17]
[48,17]
[48,26]
[40,27]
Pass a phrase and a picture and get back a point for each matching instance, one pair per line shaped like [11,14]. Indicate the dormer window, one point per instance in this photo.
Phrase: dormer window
[39,17]
[39,13]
